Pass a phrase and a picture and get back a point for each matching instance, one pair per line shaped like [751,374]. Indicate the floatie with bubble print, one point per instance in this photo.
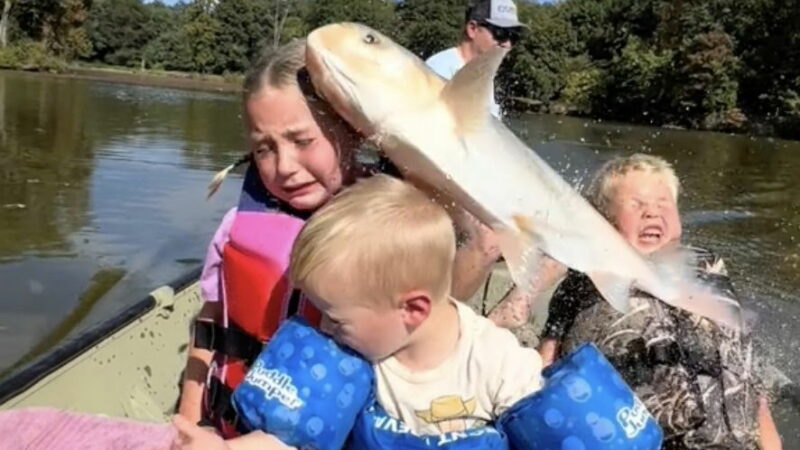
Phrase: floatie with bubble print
[304,388]
[584,405]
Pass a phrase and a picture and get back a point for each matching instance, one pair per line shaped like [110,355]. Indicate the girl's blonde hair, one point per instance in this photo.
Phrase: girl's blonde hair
[601,190]
[277,68]
[377,239]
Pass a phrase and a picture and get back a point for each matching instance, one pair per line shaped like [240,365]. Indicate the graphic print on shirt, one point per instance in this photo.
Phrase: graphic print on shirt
[448,413]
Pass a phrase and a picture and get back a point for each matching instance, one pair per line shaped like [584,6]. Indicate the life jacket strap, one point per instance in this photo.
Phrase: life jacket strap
[231,341]
[221,409]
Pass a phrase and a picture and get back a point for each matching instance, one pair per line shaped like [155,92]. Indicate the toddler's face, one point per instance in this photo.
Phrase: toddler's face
[644,211]
[374,331]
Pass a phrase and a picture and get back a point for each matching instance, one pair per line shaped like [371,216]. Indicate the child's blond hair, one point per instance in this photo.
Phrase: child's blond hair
[379,238]
[601,190]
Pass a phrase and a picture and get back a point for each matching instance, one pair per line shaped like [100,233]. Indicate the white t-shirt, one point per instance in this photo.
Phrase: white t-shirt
[488,373]
[447,62]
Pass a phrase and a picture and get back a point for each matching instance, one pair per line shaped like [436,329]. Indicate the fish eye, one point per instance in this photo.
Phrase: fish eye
[370,38]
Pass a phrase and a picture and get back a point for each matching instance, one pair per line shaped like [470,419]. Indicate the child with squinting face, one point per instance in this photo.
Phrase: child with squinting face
[638,194]
[642,204]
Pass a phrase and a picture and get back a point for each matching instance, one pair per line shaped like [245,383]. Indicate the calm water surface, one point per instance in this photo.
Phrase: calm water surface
[102,198]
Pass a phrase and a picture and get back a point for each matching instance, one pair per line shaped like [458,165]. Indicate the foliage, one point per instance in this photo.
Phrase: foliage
[378,14]
[59,24]
[635,82]
[715,64]
[428,27]
[28,55]
[118,30]
[241,33]
[536,66]
[583,86]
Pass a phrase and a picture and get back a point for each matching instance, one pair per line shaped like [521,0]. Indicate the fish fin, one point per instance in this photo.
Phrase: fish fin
[703,300]
[467,94]
[521,252]
[615,289]
[676,265]
[216,182]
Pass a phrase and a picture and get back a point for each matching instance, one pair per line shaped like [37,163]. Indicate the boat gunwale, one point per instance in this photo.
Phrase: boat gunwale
[30,374]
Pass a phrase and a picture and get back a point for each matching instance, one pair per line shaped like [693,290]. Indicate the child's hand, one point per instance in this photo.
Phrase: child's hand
[193,437]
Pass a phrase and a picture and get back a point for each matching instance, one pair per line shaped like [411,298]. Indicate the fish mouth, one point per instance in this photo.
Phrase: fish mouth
[330,82]
[336,87]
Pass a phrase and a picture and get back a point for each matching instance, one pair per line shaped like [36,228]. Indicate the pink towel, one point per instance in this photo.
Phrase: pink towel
[53,429]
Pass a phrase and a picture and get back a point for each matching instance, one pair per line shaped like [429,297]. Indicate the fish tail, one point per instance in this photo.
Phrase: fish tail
[690,295]
[704,300]
[676,267]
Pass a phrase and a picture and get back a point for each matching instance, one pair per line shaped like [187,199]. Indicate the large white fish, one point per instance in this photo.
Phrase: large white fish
[442,133]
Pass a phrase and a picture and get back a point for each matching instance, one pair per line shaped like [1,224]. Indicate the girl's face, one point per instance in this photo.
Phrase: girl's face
[644,211]
[298,148]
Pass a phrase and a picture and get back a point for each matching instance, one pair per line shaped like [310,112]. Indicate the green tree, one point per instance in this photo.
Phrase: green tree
[708,87]
[427,27]
[583,86]
[535,68]
[59,24]
[199,32]
[635,83]
[4,22]
[242,31]
[63,31]
[118,31]
[378,14]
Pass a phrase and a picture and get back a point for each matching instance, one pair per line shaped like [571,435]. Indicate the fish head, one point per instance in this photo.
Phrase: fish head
[366,76]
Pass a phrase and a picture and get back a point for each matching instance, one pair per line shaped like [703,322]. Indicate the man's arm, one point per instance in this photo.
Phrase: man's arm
[198,362]
[474,257]
[768,432]
[514,309]
[477,250]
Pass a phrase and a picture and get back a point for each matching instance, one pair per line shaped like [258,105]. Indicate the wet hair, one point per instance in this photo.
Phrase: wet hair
[379,238]
[601,190]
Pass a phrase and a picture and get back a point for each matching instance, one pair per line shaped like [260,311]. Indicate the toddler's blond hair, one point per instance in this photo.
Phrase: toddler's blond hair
[377,239]
[601,190]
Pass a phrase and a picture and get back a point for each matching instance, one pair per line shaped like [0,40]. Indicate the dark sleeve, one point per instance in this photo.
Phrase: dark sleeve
[572,296]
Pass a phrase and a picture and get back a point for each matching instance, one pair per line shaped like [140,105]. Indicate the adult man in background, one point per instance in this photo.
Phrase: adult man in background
[488,24]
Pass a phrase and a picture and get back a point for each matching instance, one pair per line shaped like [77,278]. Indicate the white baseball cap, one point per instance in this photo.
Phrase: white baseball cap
[500,13]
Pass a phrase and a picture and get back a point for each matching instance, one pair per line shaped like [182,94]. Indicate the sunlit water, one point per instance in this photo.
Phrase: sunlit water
[102,187]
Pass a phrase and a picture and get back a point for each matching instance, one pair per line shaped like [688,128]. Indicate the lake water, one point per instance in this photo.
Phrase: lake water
[102,198]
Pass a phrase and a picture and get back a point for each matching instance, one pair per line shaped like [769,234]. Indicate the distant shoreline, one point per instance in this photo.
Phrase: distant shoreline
[180,80]
[233,84]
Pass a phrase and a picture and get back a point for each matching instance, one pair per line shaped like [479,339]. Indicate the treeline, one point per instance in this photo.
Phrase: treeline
[707,64]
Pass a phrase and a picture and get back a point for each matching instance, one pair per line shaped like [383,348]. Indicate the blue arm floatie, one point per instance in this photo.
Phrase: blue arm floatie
[304,388]
[584,405]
